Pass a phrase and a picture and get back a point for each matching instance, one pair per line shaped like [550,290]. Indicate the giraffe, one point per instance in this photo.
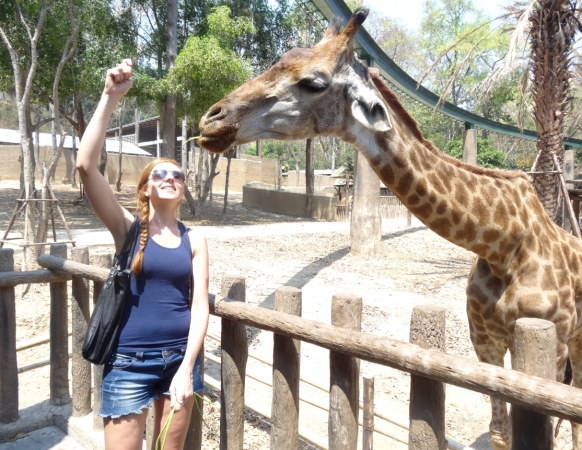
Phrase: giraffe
[526,266]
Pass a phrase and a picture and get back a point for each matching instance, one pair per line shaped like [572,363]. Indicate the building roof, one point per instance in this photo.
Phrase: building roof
[12,137]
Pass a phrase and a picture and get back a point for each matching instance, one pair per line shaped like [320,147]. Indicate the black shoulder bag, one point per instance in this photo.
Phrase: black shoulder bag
[103,326]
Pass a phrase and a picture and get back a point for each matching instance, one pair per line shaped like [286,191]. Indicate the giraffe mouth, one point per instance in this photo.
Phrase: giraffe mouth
[217,144]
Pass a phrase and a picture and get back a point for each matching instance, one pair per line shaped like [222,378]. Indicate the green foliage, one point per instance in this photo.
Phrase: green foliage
[487,156]
[207,68]
[457,40]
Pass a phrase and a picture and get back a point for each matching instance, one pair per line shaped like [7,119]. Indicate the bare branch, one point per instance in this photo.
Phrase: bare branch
[451,47]
[34,53]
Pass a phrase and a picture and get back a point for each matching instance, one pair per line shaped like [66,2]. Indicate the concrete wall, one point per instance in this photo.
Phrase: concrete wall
[131,165]
[242,170]
[289,203]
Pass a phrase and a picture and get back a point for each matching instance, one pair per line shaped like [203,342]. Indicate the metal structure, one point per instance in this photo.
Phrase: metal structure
[322,11]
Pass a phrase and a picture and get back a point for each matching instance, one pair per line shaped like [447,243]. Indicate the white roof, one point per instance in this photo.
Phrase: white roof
[45,139]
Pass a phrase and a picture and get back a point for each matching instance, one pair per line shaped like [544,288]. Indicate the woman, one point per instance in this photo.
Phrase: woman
[162,328]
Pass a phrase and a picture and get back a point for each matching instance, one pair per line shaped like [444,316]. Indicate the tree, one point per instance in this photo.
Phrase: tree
[487,155]
[205,71]
[24,66]
[553,25]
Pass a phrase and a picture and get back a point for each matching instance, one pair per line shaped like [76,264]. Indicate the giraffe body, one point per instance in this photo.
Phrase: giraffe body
[526,265]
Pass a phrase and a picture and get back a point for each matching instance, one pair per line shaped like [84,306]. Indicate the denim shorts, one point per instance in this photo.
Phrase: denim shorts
[132,381]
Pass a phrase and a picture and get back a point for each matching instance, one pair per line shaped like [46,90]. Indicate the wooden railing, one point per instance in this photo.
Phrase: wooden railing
[429,366]
[390,208]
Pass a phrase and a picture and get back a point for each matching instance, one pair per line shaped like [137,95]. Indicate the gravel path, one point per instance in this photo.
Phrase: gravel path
[414,267]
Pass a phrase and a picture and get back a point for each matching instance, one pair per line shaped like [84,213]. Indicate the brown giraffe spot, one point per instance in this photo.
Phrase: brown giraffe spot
[491,235]
[479,249]
[413,200]
[495,286]
[457,216]
[436,183]
[500,215]
[375,161]
[441,226]
[461,195]
[468,233]
[481,211]
[387,175]
[423,211]
[482,267]
[399,161]
[404,183]
[421,188]
[442,207]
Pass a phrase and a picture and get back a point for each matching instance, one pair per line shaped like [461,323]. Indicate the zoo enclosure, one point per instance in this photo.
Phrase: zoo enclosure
[428,367]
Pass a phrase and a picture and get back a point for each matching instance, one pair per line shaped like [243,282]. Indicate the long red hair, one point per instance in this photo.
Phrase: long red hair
[142,210]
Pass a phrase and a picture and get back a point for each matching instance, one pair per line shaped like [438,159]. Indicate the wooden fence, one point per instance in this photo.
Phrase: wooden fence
[390,208]
[533,397]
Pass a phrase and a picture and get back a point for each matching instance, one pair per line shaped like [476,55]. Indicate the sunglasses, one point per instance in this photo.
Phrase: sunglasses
[161,174]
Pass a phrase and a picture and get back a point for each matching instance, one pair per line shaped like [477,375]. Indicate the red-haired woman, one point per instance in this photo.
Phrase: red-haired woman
[162,329]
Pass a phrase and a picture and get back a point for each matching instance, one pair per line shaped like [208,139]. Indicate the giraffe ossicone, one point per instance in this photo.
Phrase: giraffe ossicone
[526,266]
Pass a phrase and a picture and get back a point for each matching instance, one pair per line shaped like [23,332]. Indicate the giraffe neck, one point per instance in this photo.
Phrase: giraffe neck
[484,211]
[470,210]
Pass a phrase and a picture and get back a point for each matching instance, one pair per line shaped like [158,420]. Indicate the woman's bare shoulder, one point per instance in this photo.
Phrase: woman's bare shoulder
[197,240]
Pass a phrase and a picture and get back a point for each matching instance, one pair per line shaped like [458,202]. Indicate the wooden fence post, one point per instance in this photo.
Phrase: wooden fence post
[234,354]
[8,363]
[286,368]
[59,334]
[344,372]
[104,260]
[194,436]
[368,414]
[427,397]
[81,369]
[535,354]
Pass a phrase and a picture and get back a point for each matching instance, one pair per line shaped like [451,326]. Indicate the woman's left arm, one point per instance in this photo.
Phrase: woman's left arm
[181,388]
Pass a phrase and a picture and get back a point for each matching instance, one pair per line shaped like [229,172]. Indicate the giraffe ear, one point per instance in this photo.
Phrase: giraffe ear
[332,30]
[356,21]
[369,109]
[372,116]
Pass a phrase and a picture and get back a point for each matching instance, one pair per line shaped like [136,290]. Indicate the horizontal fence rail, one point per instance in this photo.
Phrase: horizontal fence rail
[545,396]
[528,391]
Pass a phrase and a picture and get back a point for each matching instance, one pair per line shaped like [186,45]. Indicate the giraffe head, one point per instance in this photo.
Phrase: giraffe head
[309,92]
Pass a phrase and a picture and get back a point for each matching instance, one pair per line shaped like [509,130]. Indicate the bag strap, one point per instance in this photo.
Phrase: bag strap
[128,244]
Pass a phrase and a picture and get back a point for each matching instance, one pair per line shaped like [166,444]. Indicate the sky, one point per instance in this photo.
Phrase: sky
[411,14]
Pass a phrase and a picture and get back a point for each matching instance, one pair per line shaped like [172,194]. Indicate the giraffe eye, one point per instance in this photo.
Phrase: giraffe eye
[313,86]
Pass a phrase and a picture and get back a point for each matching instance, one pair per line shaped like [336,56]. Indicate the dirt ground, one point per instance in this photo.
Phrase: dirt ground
[415,267]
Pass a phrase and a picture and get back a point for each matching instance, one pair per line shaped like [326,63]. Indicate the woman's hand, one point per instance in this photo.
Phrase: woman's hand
[181,387]
[118,80]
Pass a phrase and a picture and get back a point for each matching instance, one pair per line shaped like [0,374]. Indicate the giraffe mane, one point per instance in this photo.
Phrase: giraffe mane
[412,125]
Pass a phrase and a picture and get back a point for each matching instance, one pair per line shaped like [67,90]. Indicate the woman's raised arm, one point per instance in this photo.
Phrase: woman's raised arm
[116,218]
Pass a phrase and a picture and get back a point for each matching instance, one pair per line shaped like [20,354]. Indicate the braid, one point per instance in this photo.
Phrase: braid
[137,264]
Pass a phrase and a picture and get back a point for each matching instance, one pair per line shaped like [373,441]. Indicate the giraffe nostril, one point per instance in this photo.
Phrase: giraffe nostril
[215,113]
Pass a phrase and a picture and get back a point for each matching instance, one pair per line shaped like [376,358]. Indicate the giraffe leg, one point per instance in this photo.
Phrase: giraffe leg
[575,353]
[500,426]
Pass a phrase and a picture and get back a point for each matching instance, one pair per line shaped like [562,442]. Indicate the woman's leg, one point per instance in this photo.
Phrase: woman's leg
[125,432]
[178,426]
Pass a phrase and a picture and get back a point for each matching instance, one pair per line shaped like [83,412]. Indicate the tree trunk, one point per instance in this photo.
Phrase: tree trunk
[227,178]
[120,150]
[553,26]
[169,109]
[209,179]
[309,178]
[366,223]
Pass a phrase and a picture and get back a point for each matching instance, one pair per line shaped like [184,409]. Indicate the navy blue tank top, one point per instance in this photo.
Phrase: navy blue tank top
[157,313]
